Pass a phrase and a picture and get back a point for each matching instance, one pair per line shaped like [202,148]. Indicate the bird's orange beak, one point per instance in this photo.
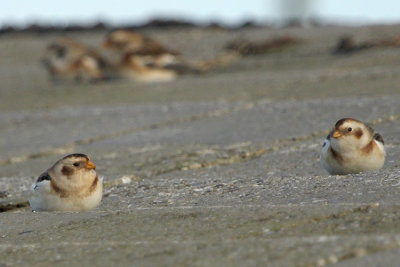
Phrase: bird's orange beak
[90,165]
[337,134]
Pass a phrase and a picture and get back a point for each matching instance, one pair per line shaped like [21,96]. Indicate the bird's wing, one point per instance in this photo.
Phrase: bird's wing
[379,138]
[328,138]
[42,181]
[43,176]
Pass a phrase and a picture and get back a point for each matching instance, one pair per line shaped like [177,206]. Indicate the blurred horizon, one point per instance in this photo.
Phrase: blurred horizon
[47,12]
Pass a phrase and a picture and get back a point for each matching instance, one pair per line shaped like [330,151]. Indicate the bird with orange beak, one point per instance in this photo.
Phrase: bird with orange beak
[352,147]
[71,184]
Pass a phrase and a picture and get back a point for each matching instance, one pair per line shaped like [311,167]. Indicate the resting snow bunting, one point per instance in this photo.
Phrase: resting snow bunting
[66,58]
[352,147]
[144,59]
[136,68]
[71,184]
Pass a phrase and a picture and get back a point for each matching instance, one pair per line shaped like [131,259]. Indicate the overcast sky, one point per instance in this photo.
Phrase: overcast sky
[228,11]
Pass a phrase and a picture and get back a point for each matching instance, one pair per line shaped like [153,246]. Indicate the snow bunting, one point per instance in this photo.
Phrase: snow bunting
[128,43]
[144,59]
[71,184]
[136,68]
[352,147]
[66,58]
[145,69]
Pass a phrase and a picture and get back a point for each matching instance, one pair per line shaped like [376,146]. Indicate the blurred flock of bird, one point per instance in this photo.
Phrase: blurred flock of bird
[140,58]
[137,57]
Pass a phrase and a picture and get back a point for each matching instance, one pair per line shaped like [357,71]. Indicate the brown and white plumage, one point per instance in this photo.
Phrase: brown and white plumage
[352,147]
[139,69]
[143,59]
[71,184]
[67,58]
[150,69]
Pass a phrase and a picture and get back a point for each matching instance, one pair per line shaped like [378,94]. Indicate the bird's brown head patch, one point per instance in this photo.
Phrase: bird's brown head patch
[67,171]
[342,121]
[358,133]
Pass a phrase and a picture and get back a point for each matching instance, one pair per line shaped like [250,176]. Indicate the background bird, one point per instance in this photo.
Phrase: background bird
[143,59]
[352,147]
[66,58]
[71,184]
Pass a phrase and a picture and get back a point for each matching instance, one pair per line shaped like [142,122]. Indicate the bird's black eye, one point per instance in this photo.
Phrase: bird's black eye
[76,164]
[349,129]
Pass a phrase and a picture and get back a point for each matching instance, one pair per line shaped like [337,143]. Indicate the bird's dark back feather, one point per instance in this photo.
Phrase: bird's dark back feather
[379,138]
[43,176]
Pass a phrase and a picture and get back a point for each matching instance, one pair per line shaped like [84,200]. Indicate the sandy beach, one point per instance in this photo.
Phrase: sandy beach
[213,169]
